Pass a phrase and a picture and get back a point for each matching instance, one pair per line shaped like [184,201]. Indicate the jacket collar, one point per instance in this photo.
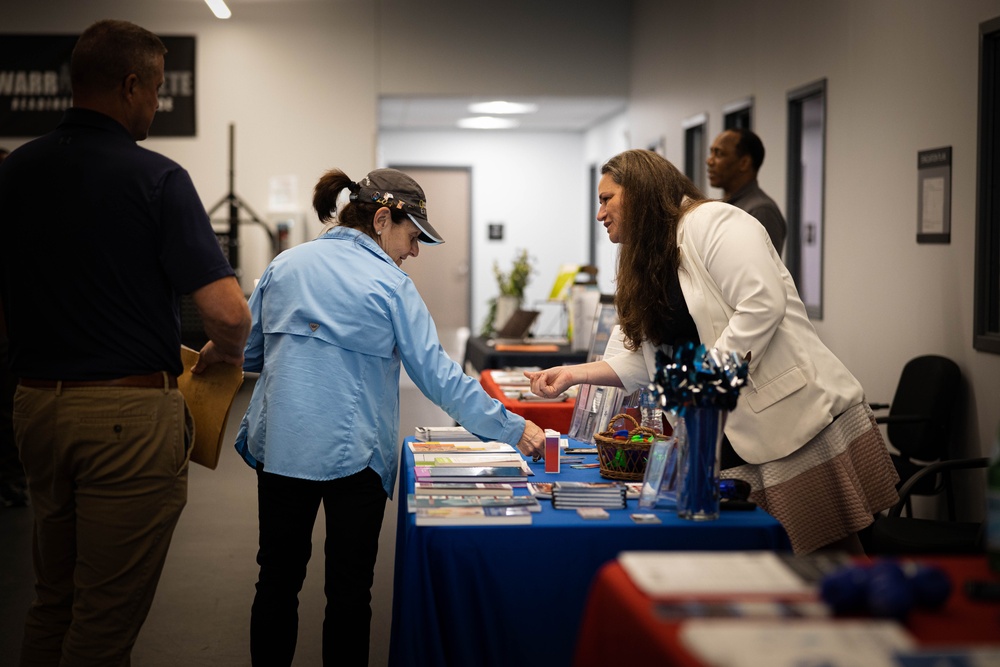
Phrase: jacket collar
[359,237]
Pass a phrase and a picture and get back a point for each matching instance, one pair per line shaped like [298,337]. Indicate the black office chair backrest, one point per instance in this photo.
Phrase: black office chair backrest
[929,388]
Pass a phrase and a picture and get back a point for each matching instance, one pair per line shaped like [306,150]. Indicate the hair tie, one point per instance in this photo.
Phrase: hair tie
[344,198]
[354,188]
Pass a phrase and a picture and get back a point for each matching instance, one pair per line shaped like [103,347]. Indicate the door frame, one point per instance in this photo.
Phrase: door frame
[404,166]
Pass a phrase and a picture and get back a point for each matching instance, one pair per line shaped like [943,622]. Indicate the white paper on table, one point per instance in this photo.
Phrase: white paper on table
[666,574]
[794,643]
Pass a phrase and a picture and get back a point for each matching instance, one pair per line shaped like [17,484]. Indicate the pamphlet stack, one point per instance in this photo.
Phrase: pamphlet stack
[444,433]
[468,483]
[529,502]
[572,495]
[471,516]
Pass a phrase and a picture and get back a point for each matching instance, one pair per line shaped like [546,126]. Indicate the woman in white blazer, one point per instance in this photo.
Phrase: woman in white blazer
[690,269]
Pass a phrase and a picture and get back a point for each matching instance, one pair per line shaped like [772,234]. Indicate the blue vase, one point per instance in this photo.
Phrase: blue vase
[698,486]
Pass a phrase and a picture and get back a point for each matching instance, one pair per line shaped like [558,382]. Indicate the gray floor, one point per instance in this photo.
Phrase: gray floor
[201,613]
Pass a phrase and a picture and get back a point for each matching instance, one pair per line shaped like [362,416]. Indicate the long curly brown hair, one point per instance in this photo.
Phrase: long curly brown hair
[653,201]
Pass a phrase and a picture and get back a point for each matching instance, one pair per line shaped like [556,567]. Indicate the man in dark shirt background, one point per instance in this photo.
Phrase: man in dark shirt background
[99,239]
[733,162]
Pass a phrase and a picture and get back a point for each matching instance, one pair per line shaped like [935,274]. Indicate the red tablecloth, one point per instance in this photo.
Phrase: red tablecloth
[620,626]
[556,416]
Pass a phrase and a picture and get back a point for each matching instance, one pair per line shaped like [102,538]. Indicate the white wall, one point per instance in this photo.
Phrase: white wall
[902,77]
[534,183]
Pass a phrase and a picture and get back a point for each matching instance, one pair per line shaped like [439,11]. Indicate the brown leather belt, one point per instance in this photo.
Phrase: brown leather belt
[151,381]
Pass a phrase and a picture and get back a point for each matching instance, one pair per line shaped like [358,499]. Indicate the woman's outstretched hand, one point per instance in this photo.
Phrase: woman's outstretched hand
[551,382]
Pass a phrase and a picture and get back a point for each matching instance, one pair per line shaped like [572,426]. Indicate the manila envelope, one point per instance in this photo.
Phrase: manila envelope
[208,395]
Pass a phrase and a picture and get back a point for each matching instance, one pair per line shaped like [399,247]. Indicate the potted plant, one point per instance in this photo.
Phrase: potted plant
[511,294]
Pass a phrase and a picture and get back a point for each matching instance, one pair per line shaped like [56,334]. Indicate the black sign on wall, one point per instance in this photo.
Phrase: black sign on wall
[35,85]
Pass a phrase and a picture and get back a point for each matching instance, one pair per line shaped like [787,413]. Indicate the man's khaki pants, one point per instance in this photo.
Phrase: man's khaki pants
[107,475]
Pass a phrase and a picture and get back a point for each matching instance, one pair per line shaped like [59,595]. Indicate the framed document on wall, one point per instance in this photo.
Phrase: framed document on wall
[934,196]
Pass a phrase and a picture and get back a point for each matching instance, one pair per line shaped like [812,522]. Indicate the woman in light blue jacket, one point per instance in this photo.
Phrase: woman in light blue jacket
[333,319]
[696,270]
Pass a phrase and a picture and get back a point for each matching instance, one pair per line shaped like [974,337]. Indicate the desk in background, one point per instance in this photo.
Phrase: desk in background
[556,416]
[620,626]
[515,594]
[481,355]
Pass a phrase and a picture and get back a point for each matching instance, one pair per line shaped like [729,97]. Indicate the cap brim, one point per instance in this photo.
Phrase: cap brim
[428,235]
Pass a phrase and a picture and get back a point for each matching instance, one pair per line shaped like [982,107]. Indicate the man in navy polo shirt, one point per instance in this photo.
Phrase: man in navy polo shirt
[98,240]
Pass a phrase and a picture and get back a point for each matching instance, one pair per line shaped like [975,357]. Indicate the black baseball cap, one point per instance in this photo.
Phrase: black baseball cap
[393,188]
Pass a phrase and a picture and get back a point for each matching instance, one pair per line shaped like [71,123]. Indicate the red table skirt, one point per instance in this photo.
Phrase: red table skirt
[556,416]
[620,627]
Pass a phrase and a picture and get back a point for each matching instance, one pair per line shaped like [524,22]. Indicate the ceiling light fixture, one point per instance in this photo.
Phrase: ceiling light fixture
[502,107]
[219,8]
[487,123]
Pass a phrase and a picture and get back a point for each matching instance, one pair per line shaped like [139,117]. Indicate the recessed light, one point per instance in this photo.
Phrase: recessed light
[487,123]
[502,107]
[219,8]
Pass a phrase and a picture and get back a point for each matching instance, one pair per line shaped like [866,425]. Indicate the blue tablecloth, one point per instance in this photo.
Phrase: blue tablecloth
[514,595]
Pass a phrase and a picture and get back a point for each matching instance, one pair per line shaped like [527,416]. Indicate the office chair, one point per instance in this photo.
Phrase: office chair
[896,534]
[919,423]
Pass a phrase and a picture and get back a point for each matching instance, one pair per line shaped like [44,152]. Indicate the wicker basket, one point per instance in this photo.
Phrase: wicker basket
[623,459]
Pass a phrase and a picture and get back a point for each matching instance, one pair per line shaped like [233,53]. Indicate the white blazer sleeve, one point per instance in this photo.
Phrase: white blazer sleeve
[634,368]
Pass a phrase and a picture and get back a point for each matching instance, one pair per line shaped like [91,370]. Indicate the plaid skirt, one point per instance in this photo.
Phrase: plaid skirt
[829,488]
